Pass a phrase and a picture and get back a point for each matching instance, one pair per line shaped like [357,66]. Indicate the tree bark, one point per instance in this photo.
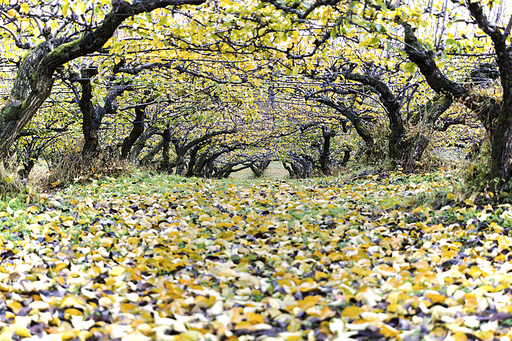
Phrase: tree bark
[397,145]
[27,95]
[201,141]
[141,142]
[346,157]
[205,165]
[181,151]
[90,124]
[227,170]
[92,116]
[192,161]
[420,141]
[356,121]
[148,158]
[290,170]
[327,134]
[498,117]
[135,133]
[27,168]
[259,167]
[166,140]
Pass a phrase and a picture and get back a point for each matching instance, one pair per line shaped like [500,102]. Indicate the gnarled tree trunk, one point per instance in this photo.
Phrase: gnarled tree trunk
[166,140]
[30,89]
[92,115]
[135,133]
[259,167]
[327,135]
[90,120]
[496,117]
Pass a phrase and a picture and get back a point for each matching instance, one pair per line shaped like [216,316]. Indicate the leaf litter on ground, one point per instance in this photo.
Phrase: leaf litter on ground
[166,258]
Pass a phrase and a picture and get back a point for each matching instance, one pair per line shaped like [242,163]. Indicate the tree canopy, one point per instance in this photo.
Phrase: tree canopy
[359,73]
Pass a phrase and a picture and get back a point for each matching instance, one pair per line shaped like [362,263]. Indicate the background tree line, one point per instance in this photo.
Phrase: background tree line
[207,88]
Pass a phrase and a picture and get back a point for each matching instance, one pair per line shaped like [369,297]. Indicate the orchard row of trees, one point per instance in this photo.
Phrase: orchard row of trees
[207,88]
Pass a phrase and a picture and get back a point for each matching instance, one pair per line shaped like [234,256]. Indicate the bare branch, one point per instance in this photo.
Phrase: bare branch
[507,29]
[17,38]
[299,14]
